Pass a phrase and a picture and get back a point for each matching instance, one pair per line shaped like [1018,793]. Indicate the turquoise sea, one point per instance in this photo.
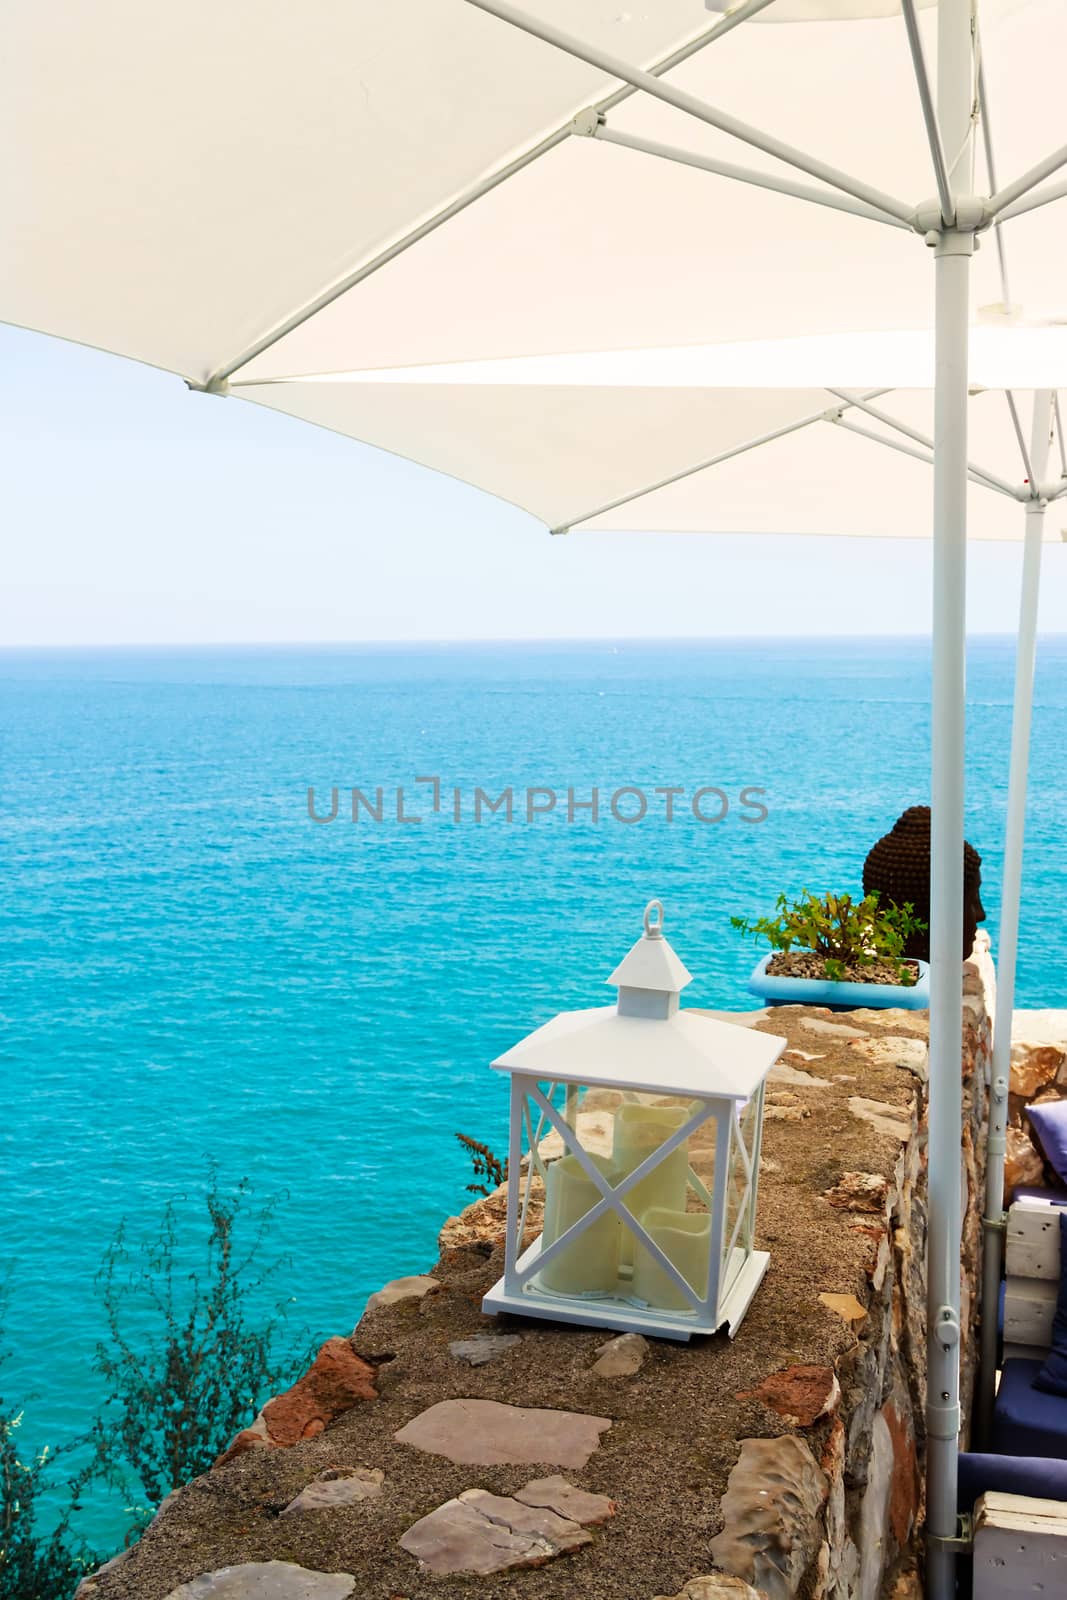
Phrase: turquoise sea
[190,967]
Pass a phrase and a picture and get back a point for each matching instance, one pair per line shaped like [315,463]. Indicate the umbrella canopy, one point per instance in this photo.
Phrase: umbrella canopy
[400,184]
[648,456]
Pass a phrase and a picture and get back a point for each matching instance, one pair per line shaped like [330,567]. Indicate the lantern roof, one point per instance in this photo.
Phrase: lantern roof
[674,1052]
[687,1054]
[651,963]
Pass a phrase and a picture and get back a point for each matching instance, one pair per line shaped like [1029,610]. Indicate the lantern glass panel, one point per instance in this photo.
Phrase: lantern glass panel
[740,1191]
[608,1136]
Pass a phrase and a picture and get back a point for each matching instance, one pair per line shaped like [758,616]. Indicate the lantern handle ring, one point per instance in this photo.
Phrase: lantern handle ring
[654,926]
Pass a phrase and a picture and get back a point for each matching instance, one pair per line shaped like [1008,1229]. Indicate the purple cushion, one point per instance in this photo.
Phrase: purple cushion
[1049,1122]
[1025,1421]
[1052,1379]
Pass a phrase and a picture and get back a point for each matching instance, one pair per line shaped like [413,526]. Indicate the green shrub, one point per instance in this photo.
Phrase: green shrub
[185,1365]
[843,931]
[35,1565]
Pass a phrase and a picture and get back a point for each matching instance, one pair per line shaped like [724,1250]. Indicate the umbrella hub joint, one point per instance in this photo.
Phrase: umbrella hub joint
[586,124]
[973,214]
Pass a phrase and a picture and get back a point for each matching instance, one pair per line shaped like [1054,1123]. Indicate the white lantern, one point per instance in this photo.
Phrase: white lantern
[650,1230]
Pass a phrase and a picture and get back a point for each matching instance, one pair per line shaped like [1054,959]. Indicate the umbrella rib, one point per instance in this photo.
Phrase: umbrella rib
[1017,197]
[862,404]
[477,191]
[702,466]
[880,438]
[926,101]
[1030,202]
[1023,451]
[1059,432]
[693,106]
[991,173]
[761,180]
[1013,191]
[975,474]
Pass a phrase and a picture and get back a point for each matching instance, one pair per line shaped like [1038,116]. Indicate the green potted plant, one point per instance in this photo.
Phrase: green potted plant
[833,950]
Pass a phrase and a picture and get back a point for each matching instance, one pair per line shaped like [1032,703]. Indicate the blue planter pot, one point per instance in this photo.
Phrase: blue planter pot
[838,996]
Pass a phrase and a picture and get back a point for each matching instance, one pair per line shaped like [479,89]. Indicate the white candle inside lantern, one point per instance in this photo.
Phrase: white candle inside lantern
[590,1264]
[640,1130]
[685,1239]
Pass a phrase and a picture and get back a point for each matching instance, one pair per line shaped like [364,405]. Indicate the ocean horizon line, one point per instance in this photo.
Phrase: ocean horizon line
[325,646]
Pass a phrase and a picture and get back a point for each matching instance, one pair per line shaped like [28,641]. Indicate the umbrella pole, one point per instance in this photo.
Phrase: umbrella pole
[1008,942]
[953,248]
[946,909]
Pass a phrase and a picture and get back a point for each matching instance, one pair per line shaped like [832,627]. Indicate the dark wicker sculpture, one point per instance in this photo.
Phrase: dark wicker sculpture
[898,868]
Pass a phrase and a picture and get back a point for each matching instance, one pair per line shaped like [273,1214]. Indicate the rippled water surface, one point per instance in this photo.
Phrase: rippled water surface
[191,968]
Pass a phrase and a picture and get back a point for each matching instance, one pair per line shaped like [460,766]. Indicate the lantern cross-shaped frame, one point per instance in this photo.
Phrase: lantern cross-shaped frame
[654,1230]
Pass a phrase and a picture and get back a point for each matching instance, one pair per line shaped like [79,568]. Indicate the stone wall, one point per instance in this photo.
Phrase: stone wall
[505,1458]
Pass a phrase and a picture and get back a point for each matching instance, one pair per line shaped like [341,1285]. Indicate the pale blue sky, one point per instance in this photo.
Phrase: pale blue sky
[137,512]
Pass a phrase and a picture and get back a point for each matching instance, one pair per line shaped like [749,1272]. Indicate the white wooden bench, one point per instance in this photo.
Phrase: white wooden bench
[1020,1547]
[1032,1262]
[1020,1542]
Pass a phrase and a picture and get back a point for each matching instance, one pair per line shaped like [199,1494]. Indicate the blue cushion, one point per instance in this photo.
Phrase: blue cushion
[1039,1476]
[1049,1122]
[1052,1379]
[1025,1421]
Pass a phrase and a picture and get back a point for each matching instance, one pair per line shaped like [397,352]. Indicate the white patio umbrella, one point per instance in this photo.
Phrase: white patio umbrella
[641,442]
[270,190]
[950,225]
